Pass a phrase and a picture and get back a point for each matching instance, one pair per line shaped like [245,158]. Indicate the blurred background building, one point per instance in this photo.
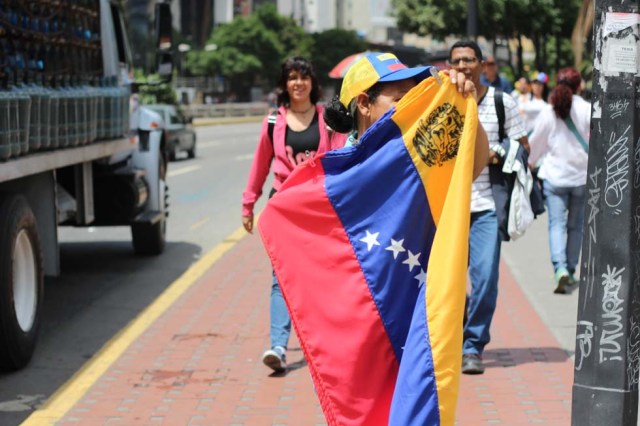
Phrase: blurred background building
[195,19]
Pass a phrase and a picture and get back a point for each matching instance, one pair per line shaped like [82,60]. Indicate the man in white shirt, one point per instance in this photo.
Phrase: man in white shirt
[484,241]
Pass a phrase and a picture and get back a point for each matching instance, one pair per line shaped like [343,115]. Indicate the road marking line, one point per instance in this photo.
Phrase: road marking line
[199,223]
[243,157]
[77,386]
[183,170]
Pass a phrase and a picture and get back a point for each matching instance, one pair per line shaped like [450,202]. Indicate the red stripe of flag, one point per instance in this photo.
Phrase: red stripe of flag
[345,358]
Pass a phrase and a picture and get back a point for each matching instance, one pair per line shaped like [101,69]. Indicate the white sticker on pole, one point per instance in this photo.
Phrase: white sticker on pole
[621,54]
[616,21]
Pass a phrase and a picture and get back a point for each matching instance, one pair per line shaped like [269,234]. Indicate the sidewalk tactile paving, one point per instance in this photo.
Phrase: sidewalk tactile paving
[200,363]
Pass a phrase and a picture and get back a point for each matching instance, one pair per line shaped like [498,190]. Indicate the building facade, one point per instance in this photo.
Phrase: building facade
[371,19]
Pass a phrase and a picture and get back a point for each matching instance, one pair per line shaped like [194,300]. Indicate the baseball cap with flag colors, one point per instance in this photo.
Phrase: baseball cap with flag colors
[373,68]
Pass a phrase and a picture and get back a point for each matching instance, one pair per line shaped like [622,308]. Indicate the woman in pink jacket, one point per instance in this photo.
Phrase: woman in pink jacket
[293,134]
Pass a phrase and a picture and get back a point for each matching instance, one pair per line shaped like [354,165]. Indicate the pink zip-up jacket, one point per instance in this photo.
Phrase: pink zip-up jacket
[266,152]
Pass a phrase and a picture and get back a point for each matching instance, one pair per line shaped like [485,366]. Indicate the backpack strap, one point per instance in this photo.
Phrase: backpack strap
[497,94]
[271,120]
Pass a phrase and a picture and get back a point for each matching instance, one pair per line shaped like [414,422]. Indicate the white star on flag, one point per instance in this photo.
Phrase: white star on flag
[396,247]
[412,260]
[371,240]
[421,277]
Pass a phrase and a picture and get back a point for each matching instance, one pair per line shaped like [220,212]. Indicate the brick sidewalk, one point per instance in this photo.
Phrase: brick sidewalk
[199,364]
[528,377]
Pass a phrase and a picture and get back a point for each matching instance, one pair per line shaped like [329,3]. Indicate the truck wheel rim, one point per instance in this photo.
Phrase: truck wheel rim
[24,281]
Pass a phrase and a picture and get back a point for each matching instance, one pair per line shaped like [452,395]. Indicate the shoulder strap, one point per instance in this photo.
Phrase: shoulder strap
[271,120]
[572,126]
[497,94]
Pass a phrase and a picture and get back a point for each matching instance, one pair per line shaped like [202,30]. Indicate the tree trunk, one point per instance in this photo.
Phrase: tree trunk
[536,47]
[520,63]
[544,64]
[581,30]
[510,56]
[558,53]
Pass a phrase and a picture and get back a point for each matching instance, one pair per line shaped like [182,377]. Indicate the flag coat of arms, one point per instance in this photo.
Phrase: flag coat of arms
[369,244]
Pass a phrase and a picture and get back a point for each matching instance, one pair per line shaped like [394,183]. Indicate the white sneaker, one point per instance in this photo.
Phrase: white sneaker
[275,359]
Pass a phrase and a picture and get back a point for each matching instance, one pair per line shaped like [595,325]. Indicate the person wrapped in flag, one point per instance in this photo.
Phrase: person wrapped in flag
[369,244]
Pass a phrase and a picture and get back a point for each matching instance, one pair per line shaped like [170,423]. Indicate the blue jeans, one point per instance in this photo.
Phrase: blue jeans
[280,320]
[484,260]
[566,219]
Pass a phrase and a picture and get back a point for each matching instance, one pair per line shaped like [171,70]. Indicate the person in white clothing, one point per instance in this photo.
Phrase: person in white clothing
[561,132]
[536,101]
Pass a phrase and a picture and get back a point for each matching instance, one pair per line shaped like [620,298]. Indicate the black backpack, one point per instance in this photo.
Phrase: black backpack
[497,96]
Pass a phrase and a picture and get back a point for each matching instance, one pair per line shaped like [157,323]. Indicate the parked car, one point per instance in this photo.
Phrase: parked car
[180,135]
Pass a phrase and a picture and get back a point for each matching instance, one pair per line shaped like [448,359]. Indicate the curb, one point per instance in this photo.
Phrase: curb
[198,122]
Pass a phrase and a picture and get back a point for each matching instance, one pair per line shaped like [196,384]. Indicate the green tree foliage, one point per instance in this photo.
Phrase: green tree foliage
[249,50]
[437,18]
[440,18]
[330,47]
[536,19]
[153,90]
[292,37]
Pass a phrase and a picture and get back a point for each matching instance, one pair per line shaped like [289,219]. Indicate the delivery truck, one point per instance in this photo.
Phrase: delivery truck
[74,149]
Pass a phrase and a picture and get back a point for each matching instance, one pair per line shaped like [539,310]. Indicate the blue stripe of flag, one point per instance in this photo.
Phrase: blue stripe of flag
[387,181]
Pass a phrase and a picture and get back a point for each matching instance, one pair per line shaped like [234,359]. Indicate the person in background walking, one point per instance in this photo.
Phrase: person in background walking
[536,102]
[484,239]
[562,133]
[289,136]
[522,92]
[491,77]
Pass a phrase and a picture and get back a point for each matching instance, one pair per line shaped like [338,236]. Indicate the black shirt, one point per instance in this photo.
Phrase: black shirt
[301,146]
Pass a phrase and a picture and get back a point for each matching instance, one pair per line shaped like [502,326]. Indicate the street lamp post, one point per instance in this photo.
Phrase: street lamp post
[607,356]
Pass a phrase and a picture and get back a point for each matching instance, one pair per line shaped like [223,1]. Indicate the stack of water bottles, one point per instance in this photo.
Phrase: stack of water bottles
[53,93]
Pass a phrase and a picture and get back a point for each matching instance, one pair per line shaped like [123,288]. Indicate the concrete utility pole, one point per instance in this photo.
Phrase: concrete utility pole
[607,358]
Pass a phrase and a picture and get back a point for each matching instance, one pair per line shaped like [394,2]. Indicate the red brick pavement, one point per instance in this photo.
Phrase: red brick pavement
[199,363]
[528,377]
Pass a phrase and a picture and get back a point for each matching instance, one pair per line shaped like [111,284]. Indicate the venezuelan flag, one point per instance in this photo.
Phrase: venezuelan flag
[369,244]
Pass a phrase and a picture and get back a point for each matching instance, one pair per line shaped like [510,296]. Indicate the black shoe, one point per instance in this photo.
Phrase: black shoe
[472,364]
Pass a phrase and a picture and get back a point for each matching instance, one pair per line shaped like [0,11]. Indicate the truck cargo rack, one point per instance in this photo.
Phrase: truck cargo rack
[50,160]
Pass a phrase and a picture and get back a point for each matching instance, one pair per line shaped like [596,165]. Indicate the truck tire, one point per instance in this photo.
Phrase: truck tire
[191,153]
[149,238]
[21,282]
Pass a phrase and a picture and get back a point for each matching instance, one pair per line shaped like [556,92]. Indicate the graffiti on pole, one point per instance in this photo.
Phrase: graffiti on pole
[593,204]
[617,163]
[612,311]
[633,338]
[584,338]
